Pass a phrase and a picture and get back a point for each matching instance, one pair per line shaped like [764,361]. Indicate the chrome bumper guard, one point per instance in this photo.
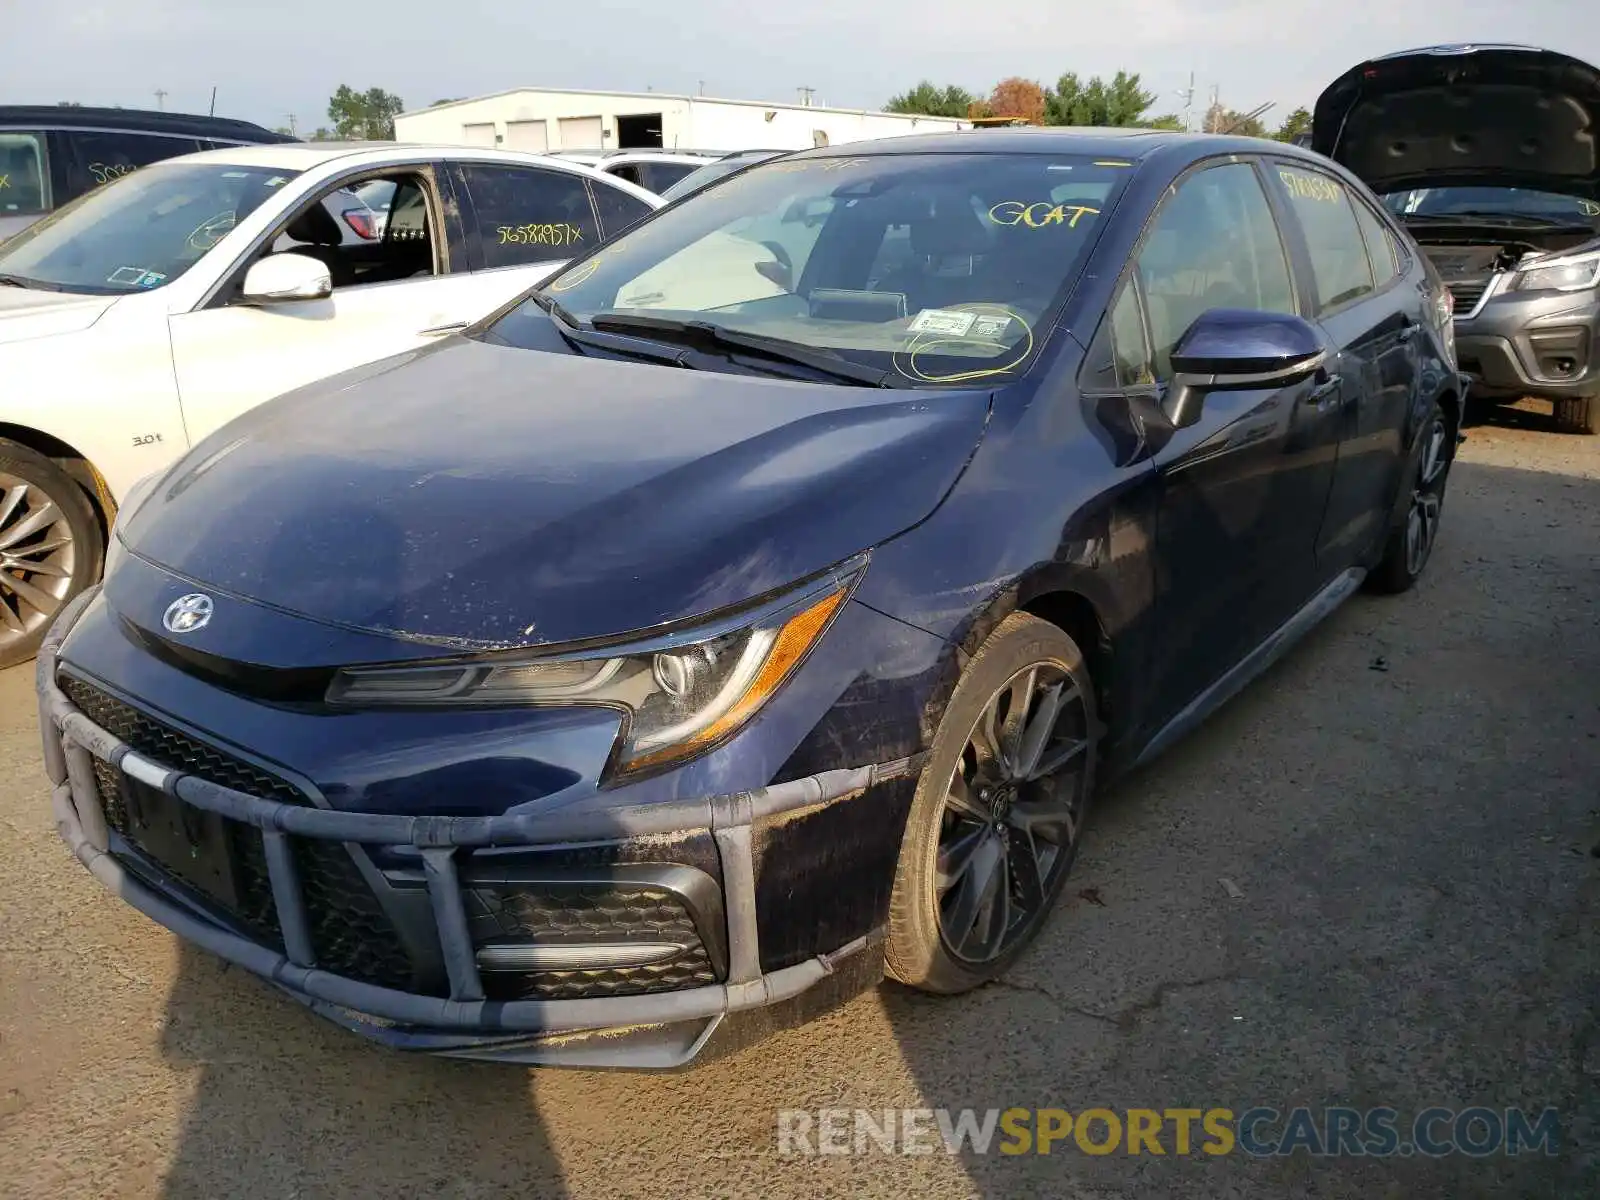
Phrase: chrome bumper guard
[72,742]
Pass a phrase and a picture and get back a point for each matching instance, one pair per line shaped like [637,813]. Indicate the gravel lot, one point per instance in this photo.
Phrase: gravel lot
[1407,804]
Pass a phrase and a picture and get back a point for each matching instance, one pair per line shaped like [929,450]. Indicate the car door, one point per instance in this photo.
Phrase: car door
[394,294]
[525,222]
[1242,490]
[1371,321]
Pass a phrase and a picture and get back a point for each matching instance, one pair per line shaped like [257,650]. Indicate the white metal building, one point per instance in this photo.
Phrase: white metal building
[549,119]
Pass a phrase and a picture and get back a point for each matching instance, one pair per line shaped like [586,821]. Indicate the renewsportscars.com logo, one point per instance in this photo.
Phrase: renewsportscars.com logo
[1333,1132]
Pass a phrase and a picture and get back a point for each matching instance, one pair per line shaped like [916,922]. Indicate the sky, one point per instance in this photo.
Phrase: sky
[276,57]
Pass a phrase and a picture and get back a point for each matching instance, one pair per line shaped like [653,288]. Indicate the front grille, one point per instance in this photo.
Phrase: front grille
[350,932]
[589,913]
[1467,293]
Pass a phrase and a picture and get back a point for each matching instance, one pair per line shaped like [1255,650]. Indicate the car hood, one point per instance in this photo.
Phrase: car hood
[26,314]
[481,496]
[1455,116]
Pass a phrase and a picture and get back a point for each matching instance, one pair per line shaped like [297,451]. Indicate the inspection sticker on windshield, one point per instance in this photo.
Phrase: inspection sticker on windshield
[128,275]
[990,327]
[942,320]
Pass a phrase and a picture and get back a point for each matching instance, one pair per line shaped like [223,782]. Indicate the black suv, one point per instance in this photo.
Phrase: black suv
[1486,154]
[52,154]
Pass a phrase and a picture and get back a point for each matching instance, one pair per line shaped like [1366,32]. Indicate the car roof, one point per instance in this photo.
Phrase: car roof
[308,156]
[73,116]
[1128,143]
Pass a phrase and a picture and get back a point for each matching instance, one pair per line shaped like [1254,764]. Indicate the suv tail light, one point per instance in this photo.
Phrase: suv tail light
[360,219]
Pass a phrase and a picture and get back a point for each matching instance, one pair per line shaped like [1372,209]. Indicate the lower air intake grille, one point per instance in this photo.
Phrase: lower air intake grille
[350,932]
[550,915]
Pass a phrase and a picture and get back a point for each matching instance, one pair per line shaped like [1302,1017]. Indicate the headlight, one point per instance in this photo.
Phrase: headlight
[131,500]
[1560,275]
[681,694]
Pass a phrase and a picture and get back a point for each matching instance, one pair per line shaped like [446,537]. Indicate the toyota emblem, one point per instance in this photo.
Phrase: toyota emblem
[188,613]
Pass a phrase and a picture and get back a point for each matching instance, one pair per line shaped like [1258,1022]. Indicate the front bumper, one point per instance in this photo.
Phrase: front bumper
[660,1029]
[1541,344]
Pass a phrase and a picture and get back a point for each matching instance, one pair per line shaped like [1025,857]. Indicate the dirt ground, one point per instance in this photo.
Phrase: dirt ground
[1405,810]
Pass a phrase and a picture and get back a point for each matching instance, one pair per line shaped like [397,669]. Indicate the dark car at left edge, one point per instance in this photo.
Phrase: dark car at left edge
[753,609]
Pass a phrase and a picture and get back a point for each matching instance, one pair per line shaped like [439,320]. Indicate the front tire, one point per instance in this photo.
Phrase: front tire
[995,823]
[50,548]
[1579,414]
[1410,544]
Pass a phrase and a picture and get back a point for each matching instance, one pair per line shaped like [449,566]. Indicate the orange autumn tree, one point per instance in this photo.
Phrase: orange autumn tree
[1014,97]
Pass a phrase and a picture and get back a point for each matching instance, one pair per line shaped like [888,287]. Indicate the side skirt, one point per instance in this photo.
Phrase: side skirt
[1254,663]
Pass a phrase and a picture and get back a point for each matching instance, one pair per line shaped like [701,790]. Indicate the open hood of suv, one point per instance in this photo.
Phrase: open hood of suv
[1458,116]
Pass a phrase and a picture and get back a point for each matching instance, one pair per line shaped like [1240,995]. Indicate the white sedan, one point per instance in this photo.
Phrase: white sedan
[138,319]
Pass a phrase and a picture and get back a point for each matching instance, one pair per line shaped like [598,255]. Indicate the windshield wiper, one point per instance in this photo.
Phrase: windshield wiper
[703,335]
[16,281]
[575,335]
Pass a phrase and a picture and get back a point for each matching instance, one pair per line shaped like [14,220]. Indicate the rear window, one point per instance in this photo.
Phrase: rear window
[941,267]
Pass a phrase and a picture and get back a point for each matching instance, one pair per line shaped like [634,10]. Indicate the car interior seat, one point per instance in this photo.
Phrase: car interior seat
[948,241]
[320,237]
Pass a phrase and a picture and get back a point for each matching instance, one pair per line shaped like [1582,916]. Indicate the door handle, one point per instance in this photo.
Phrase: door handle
[440,330]
[1326,395]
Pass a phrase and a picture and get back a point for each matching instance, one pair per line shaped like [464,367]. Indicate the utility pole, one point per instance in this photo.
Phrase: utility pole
[1187,96]
[805,95]
[161,99]
[292,130]
[702,87]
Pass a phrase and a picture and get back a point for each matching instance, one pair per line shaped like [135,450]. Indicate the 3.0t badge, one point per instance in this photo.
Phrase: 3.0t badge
[188,613]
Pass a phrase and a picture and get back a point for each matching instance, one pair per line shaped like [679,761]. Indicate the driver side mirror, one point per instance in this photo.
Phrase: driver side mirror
[281,278]
[1231,349]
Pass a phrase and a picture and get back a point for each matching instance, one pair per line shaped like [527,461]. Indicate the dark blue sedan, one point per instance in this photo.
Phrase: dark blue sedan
[756,607]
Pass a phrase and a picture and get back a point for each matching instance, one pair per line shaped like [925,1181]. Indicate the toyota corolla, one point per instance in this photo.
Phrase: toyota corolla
[754,608]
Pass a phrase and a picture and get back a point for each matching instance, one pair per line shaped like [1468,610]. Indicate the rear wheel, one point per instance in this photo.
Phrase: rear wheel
[50,548]
[1579,414]
[994,827]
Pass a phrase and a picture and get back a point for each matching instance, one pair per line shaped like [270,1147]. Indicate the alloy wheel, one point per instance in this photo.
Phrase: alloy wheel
[38,557]
[1427,496]
[1012,812]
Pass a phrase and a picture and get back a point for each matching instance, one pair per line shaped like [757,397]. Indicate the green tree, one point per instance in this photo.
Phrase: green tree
[367,115]
[1122,102]
[324,134]
[928,99]
[1295,124]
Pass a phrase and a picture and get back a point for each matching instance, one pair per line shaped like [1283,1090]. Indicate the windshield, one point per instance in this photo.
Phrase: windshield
[709,174]
[138,232]
[934,268]
[1481,201]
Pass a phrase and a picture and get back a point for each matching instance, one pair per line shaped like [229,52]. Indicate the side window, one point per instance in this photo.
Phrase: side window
[1380,245]
[24,174]
[1214,244]
[629,172]
[1338,252]
[658,177]
[99,158]
[617,209]
[1120,357]
[528,215]
[361,244]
